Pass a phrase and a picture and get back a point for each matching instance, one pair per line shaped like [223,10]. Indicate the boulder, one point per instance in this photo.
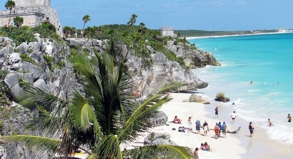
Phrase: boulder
[196,98]
[221,97]
[160,118]
[158,138]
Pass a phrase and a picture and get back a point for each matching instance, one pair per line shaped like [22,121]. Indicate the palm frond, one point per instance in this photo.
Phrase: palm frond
[138,119]
[109,147]
[161,151]
[137,122]
[83,114]
[93,156]
[40,143]
[51,108]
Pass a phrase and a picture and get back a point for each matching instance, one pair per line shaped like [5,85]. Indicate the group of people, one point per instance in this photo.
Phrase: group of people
[203,146]
[220,129]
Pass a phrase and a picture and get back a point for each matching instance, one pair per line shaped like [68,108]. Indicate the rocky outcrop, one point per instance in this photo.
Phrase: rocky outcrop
[160,118]
[193,58]
[221,97]
[196,98]
[158,138]
[44,64]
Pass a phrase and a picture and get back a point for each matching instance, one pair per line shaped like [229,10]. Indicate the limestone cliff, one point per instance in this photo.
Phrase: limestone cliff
[44,64]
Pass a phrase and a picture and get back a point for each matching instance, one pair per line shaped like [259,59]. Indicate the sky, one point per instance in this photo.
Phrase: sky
[220,15]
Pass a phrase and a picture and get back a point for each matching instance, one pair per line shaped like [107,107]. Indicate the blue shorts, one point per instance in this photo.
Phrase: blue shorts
[251,131]
[197,127]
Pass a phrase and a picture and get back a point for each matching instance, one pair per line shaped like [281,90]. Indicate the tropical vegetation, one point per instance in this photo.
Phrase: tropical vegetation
[10,4]
[18,21]
[86,19]
[100,117]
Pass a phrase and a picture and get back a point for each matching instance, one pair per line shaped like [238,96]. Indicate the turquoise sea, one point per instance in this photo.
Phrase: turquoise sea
[267,61]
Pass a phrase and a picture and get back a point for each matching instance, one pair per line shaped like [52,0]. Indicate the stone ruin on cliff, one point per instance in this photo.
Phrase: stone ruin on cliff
[33,12]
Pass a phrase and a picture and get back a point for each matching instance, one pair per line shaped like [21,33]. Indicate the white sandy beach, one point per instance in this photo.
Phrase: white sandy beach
[234,146]
[219,36]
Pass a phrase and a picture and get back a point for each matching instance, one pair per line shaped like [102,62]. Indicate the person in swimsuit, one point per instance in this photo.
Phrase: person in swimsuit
[289,118]
[217,131]
[177,120]
[216,112]
[195,153]
[189,123]
[251,128]
[233,116]
[270,123]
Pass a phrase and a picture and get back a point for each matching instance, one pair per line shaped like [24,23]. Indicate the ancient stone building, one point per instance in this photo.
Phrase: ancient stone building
[34,12]
[168,31]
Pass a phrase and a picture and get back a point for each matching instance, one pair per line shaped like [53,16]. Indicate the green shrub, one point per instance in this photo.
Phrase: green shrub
[25,57]
[23,84]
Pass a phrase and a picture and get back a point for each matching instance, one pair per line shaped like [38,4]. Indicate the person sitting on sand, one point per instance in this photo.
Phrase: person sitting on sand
[202,146]
[270,123]
[177,120]
[207,147]
[195,153]
[217,131]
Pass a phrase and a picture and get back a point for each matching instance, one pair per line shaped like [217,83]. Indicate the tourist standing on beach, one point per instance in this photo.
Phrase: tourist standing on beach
[233,116]
[251,128]
[197,126]
[190,123]
[224,129]
[205,128]
[216,112]
[220,126]
[217,131]
[289,118]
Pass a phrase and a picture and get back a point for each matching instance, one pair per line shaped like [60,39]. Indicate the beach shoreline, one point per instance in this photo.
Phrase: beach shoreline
[220,36]
[233,146]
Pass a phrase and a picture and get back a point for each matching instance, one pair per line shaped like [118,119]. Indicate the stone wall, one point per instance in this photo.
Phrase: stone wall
[32,16]
[32,3]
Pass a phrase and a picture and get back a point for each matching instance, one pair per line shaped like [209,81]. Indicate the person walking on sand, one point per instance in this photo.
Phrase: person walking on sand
[289,118]
[216,112]
[233,116]
[270,123]
[251,128]
[195,153]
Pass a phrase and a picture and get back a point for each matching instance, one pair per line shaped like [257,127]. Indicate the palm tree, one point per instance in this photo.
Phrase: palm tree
[103,116]
[9,5]
[132,20]
[86,19]
[18,21]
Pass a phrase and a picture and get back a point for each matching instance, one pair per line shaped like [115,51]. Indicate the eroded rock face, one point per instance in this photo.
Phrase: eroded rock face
[193,58]
[196,98]
[27,65]
[221,97]
[160,118]
[158,138]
